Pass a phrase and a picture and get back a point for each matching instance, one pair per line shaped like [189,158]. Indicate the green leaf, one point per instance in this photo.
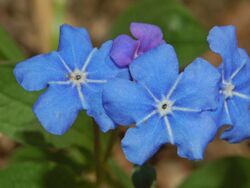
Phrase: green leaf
[144,176]
[180,28]
[28,154]
[19,123]
[79,134]
[9,50]
[231,172]
[37,175]
[15,105]
[71,157]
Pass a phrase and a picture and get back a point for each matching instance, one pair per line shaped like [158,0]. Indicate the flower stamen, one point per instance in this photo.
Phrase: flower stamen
[228,90]
[77,77]
[165,107]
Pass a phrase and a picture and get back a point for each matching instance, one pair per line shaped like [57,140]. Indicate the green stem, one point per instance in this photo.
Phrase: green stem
[113,136]
[97,150]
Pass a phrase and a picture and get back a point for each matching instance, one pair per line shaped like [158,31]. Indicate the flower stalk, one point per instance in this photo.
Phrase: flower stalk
[111,143]
[97,149]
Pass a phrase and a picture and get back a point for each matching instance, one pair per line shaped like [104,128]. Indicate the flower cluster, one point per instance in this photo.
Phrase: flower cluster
[137,82]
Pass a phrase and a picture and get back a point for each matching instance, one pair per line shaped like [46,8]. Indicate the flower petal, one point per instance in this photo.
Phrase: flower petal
[192,133]
[35,73]
[150,36]
[223,40]
[123,50]
[74,45]
[57,108]
[101,66]
[157,69]
[126,102]
[240,130]
[221,114]
[96,110]
[142,142]
[99,70]
[242,79]
[198,87]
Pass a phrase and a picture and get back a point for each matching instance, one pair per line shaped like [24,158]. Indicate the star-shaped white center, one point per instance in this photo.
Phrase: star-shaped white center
[165,107]
[78,77]
[228,90]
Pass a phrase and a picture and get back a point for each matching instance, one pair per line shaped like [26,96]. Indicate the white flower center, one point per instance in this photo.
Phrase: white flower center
[77,77]
[228,90]
[165,107]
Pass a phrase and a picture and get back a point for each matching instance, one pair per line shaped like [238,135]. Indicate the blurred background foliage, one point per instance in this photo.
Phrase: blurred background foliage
[32,158]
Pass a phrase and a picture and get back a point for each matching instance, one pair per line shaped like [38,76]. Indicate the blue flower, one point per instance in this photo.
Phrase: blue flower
[125,49]
[234,100]
[75,75]
[167,107]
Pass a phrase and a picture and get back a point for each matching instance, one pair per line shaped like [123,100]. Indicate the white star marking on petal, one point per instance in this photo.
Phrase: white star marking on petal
[86,63]
[184,109]
[82,99]
[96,81]
[227,110]
[147,117]
[174,86]
[78,78]
[64,63]
[151,94]
[241,95]
[229,88]
[169,130]
[237,71]
[60,82]
[166,107]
